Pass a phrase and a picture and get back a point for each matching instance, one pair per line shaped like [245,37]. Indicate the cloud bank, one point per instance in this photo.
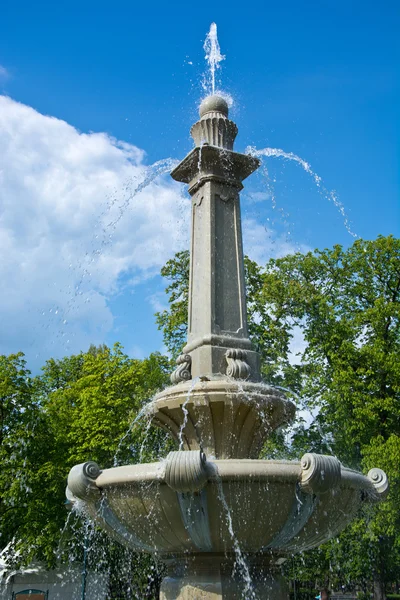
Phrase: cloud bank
[76,220]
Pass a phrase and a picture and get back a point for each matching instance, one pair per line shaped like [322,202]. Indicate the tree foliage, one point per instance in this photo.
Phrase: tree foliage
[341,309]
[80,408]
[173,321]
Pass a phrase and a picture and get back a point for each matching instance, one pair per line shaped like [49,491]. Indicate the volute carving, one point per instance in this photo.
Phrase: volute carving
[379,481]
[320,473]
[183,370]
[82,481]
[237,365]
[185,470]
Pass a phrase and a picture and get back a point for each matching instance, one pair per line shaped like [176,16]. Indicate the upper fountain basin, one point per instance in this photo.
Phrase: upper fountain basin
[227,418]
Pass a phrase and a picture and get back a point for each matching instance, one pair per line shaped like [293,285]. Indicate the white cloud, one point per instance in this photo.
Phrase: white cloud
[158,301]
[261,243]
[63,244]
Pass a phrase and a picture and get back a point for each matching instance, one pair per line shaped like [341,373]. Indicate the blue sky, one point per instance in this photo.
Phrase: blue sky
[318,79]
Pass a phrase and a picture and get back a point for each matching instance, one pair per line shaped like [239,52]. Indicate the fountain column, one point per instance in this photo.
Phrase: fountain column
[218,339]
[218,403]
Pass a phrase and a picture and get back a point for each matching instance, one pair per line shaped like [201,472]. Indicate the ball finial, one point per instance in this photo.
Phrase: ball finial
[214,104]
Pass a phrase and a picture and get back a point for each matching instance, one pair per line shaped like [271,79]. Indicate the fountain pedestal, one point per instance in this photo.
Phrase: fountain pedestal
[217,577]
[224,417]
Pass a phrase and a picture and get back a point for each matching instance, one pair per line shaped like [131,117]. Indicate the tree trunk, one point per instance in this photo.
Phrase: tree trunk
[379,590]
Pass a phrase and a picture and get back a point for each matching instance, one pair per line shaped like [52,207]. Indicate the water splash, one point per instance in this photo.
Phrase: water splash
[186,412]
[331,195]
[305,407]
[141,414]
[82,288]
[160,167]
[213,58]
[145,438]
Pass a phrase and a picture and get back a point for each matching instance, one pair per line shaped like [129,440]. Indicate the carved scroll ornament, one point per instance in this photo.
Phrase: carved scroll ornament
[237,366]
[82,481]
[185,470]
[379,481]
[183,370]
[320,473]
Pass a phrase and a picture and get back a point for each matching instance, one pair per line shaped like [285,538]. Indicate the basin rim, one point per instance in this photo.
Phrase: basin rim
[226,470]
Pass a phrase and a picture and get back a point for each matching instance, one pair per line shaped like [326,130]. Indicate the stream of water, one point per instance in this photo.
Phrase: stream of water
[143,413]
[240,561]
[330,195]
[213,59]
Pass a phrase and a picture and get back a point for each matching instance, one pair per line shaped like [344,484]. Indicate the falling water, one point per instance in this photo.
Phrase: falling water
[240,560]
[305,407]
[145,438]
[100,241]
[150,174]
[104,229]
[142,413]
[132,187]
[186,412]
[213,58]
[331,195]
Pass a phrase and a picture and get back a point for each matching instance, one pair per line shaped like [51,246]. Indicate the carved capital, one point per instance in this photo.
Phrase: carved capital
[237,365]
[216,130]
[185,471]
[183,370]
[379,481]
[82,481]
[319,473]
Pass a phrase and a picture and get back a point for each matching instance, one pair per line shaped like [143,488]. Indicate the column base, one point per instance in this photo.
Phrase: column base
[214,577]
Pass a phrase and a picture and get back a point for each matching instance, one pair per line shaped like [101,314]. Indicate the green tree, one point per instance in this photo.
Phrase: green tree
[345,306]
[95,408]
[80,408]
[173,320]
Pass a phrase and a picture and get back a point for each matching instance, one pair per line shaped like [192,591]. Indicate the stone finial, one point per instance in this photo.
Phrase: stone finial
[82,481]
[319,473]
[214,127]
[379,481]
[185,470]
[213,104]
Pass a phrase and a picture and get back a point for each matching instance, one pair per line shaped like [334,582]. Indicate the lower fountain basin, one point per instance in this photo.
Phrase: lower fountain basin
[186,504]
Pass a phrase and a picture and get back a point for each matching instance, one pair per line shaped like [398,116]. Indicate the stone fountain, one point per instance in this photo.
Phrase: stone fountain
[221,519]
